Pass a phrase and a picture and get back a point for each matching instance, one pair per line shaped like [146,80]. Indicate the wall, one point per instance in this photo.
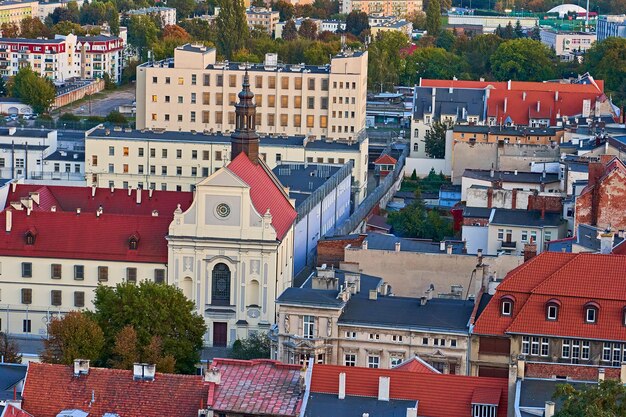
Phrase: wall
[423,164]
[72,96]
[476,237]
[410,273]
[331,251]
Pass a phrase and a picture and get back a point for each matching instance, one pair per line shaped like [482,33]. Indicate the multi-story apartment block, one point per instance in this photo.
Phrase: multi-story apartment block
[262,17]
[45,9]
[15,11]
[195,92]
[402,26]
[401,8]
[348,318]
[608,26]
[567,43]
[64,57]
[166,15]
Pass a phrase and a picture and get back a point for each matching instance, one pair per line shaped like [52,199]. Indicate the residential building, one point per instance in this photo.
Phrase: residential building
[613,25]
[333,26]
[262,17]
[545,321]
[298,22]
[165,15]
[65,57]
[15,11]
[567,43]
[12,376]
[507,180]
[449,195]
[402,8]
[402,26]
[43,10]
[195,92]
[351,319]
[518,135]
[489,24]
[409,390]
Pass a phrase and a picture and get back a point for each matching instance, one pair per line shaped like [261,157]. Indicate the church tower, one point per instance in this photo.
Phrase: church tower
[245,138]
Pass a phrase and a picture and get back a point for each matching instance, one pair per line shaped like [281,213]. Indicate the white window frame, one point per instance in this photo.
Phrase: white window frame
[534,346]
[567,343]
[507,307]
[349,359]
[308,327]
[545,347]
[500,235]
[350,335]
[373,361]
[594,313]
[526,345]
[553,308]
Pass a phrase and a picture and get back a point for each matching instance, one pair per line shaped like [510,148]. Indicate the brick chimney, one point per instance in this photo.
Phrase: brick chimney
[530,250]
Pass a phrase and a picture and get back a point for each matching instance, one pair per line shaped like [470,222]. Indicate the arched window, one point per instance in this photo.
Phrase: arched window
[591,312]
[220,290]
[552,309]
[252,294]
[30,236]
[506,305]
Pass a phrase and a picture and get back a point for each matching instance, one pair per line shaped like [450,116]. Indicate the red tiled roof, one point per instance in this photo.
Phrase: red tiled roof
[266,192]
[516,85]
[425,82]
[572,279]
[50,389]
[438,395]
[385,159]
[259,387]
[486,396]
[12,411]
[417,365]
[86,236]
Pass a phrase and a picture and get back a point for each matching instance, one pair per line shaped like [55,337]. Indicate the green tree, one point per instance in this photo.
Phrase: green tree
[184,8]
[153,310]
[523,60]
[93,13]
[607,399]
[435,140]
[32,28]
[419,20]
[478,52]
[73,336]
[357,22]
[65,14]
[199,29]
[308,29]
[231,23]
[142,34]
[256,346]
[10,30]
[414,221]
[519,32]
[36,91]
[124,352]
[116,117]
[433,17]
[446,40]
[66,27]
[433,63]
[289,31]
[3,87]
[384,61]
[9,350]
[112,18]
[69,117]
[606,60]
[285,10]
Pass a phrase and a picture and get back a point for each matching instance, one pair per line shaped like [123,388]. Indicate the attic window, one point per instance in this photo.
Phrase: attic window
[591,312]
[506,307]
[30,236]
[133,241]
[552,309]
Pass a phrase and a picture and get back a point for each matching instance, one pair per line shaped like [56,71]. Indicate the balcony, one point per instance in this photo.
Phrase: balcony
[509,246]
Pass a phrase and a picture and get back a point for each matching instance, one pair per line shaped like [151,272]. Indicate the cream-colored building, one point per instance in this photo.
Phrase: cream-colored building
[262,17]
[195,92]
[402,26]
[180,160]
[401,8]
[351,319]
[165,15]
[15,11]
[566,43]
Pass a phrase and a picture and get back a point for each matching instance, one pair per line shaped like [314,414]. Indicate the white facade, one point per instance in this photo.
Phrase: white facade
[401,8]
[46,9]
[166,15]
[608,26]
[565,43]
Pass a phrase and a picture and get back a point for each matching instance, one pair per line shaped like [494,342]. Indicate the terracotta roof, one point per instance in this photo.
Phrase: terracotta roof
[437,395]
[12,411]
[417,365]
[385,159]
[516,85]
[266,192]
[574,280]
[486,396]
[259,387]
[86,236]
[50,389]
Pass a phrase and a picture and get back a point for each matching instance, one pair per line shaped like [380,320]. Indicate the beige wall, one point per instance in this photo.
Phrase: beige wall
[410,274]
[494,245]
[401,8]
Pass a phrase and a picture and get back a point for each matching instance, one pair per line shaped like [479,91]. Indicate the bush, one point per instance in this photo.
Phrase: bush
[116,117]
[96,119]
[69,117]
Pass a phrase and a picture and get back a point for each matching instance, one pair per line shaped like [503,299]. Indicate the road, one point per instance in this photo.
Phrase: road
[102,104]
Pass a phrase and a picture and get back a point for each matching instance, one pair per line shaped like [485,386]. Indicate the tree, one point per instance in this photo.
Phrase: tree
[231,23]
[256,346]
[607,399]
[10,30]
[445,40]
[285,10]
[414,221]
[184,8]
[36,91]
[357,22]
[9,350]
[116,117]
[289,31]
[308,29]
[93,13]
[74,336]
[433,63]
[199,29]
[435,140]
[125,353]
[69,117]
[142,34]
[523,60]
[535,33]
[152,310]
[606,60]
[32,28]
[519,32]
[171,37]
[3,87]
[384,61]
[433,18]
[112,18]
[65,14]
[478,52]
[419,20]
[66,27]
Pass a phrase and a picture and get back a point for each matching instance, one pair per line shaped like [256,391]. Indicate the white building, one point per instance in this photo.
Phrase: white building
[166,15]
[567,43]
[608,26]
[46,9]
[401,8]
[262,17]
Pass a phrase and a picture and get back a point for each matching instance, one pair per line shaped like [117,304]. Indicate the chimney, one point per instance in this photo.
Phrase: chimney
[411,412]
[213,375]
[492,173]
[155,213]
[81,367]
[99,211]
[601,374]
[506,102]
[524,96]
[449,249]
[9,220]
[130,189]
[521,368]
[342,386]
[530,250]
[373,295]
[549,409]
[398,246]
[606,242]
[508,85]
[383,388]
[556,95]
[143,372]
[112,189]
[538,105]
[150,191]
[622,373]
[489,197]
[514,197]
[423,300]
[138,196]
[93,191]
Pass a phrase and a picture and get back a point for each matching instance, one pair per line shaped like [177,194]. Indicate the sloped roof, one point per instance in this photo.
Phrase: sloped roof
[417,365]
[385,159]
[260,386]
[51,388]
[266,192]
[515,85]
[437,395]
[574,280]
[12,411]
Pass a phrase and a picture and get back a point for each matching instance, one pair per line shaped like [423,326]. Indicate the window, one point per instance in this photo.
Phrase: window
[27,296]
[350,335]
[349,359]
[585,351]
[154,80]
[324,122]
[154,98]
[373,361]
[547,236]
[500,234]
[206,79]
[284,101]
[164,153]
[272,82]
[55,297]
[324,85]
[26,326]
[552,310]
[526,345]
[308,327]
[163,170]
[311,84]
[167,80]
[310,103]
[181,81]
[591,312]
[279,157]
[131,274]
[395,361]
[565,348]
[111,151]
[507,306]
[180,118]
[27,269]
[284,120]
[232,81]
[79,272]
[298,83]
[324,104]
[179,153]
[220,291]
[545,346]
[284,83]
[139,169]
[167,99]
[79,299]
[310,121]
[103,273]
[258,81]
[179,170]
[534,346]
[55,271]
[452,342]
[94,160]
[397,338]
[219,117]
[194,154]
[374,336]
[193,98]
[297,120]
[524,236]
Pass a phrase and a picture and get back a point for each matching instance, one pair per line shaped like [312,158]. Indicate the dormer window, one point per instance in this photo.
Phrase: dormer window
[133,241]
[624,316]
[552,309]
[30,236]
[591,312]
[506,305]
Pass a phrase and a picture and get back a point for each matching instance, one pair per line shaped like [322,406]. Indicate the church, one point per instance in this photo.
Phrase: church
[231,250]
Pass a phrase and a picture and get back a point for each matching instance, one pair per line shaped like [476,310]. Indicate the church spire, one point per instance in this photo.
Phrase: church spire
[245,138]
